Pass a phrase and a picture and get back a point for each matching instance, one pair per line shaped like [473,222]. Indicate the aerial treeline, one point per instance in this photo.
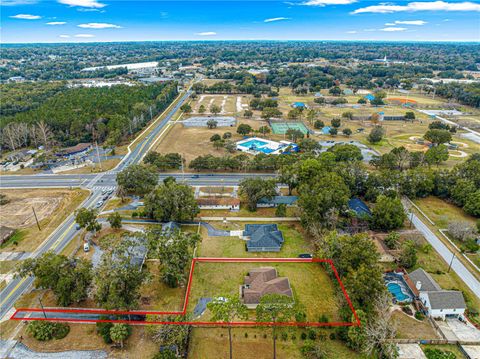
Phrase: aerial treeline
[467,94]
[246,84]
[241,162]
[25,96]
[88,114]
[65,61]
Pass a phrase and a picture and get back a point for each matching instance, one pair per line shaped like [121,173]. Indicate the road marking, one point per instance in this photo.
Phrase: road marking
[55,245]
[13,291]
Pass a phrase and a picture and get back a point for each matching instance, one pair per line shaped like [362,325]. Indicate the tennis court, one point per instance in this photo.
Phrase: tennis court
[280,128]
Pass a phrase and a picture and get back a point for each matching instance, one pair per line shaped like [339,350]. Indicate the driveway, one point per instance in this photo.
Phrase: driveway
[473,351]
[410,351]
[464,331]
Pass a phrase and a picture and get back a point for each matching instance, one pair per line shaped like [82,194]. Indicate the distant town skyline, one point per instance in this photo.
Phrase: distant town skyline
[31,21]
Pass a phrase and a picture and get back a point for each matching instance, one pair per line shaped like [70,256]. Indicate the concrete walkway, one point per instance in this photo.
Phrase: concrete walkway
[410,351]
[445,253]
[21,351]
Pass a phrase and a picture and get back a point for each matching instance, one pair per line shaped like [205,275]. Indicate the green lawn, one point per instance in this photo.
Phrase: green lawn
[257,342]
[445,347]
[311,285]
[295,244]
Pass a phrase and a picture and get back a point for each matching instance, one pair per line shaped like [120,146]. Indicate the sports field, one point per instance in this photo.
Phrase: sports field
[280,128]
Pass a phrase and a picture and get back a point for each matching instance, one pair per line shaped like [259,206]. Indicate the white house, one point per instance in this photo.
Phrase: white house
[438,303]
[233,204]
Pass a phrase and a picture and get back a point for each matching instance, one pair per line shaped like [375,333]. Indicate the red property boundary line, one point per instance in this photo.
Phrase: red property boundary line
[187,297]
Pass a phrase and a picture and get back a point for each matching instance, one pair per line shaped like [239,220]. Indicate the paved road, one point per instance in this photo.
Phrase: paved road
[108,179]
[57,241]
[60,238]
[442,249]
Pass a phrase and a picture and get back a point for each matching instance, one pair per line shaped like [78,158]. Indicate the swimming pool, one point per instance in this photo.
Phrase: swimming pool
[397,292]
[258,145]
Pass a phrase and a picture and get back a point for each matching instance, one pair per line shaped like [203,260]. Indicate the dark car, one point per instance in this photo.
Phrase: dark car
[305,255]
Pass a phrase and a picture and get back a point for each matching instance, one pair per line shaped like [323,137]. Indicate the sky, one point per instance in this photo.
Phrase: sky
[32,21]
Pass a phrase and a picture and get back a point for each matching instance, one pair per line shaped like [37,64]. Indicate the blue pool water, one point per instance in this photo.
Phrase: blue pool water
[397,291]
[257,145]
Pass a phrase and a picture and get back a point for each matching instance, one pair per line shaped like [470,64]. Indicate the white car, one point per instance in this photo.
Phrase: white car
[86,247]
[99,203]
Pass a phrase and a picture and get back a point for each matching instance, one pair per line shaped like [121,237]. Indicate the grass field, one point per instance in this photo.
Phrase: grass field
[107,165]
[244,212]
[410,328]
[296,242]
[442,213]
[196,141]
[310,284]
[213,343]
[31,237]
[228,104]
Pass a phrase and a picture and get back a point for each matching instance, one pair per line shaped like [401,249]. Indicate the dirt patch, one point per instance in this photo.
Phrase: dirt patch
[18,212]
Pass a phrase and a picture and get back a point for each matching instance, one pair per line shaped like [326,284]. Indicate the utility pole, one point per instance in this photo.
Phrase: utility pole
[36,219]
[450,265]
[43,309]
[98,156]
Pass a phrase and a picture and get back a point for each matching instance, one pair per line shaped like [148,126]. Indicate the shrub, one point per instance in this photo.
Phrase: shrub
[376,135]
[303,336]
[419,315]
[103,329]
[333,336]
[44,330]
[284,336]
[312,334]
[294,337]
[391,240]
[323,318]
[246,335]
[281,210]
[318,124]
[439,354]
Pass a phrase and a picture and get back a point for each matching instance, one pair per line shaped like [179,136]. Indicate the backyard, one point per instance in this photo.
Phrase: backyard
[311,286]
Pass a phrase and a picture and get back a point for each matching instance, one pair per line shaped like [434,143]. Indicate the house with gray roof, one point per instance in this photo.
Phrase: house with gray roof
[263,238]
[438,303]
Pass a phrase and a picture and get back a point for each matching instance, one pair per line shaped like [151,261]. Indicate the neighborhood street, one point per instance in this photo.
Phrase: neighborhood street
[447,255]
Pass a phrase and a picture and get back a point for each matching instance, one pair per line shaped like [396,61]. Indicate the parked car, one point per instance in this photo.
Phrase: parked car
[77,227]
[86,247]
[305,255]
[99,203]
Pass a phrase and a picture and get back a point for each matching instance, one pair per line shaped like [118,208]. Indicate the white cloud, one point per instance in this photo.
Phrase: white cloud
[206,33]
[56,23]
[83,3]
[386,8]
[393,29]
[390,24]
[64,36]
[276,19]
[26,17]
[84,35]
[328,2]
[351,32]
[17,2]
[411,22]
[99,25]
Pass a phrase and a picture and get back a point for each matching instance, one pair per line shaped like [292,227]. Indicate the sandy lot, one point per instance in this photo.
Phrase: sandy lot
[18,213]
[52,207]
